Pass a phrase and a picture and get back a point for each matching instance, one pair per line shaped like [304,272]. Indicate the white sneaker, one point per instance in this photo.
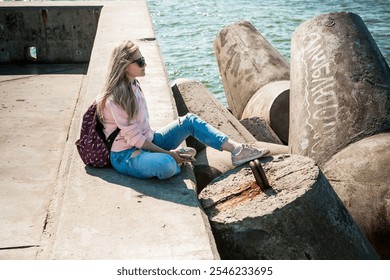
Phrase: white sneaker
[248,153]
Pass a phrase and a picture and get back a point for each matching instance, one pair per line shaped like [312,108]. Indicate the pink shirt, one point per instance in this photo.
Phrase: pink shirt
[134,132]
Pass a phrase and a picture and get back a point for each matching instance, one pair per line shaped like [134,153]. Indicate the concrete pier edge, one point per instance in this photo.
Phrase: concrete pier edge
[98,213]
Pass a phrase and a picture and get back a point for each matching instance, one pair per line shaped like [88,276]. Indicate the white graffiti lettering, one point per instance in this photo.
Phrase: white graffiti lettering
[320,97]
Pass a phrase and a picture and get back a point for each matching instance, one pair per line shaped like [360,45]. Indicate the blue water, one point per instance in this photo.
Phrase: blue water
[186,30]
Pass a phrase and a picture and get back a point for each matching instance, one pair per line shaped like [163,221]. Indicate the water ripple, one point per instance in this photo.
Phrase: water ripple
[186,29]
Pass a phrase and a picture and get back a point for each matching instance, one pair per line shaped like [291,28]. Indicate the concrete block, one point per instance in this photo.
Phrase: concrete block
[271,104]
[360,175]
[340,86]
[247,62]
[299,217]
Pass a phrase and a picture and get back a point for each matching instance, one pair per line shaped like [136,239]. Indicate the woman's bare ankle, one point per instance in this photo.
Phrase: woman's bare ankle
[230,145]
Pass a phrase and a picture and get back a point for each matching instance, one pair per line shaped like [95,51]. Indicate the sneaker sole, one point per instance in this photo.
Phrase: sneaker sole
[240,162]
[186,152]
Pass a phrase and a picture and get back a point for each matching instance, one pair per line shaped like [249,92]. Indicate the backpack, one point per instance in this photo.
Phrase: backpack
[93,147]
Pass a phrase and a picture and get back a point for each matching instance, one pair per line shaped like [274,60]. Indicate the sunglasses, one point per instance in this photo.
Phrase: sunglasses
[140,62]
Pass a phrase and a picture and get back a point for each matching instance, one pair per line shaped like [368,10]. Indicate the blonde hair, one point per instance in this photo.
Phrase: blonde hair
[118,86]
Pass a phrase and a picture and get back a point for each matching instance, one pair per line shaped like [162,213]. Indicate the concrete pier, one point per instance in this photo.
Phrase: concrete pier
[51,205]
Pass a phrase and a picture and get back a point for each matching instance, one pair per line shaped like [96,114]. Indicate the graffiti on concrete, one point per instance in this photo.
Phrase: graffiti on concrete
[34,29]
[320,97]
[49,33]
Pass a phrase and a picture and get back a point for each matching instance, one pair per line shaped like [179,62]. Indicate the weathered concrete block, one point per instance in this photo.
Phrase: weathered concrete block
[260,129]
[299,217]
[340,86]
[247,62]
[360,175]
[271,103]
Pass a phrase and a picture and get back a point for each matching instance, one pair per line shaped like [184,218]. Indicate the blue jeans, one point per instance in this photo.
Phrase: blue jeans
[150,164]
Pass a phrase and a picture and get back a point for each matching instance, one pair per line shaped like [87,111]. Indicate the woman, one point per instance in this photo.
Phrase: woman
[138,150]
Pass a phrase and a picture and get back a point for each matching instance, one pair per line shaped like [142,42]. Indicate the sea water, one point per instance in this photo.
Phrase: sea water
[186,30]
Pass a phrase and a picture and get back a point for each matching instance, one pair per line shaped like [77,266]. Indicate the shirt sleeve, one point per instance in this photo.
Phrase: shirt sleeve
[130,131]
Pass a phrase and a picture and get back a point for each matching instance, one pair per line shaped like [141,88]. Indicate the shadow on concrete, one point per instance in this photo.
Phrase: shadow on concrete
[39,69]
[174,189]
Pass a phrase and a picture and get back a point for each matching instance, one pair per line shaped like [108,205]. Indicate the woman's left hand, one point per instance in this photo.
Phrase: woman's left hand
[178,158]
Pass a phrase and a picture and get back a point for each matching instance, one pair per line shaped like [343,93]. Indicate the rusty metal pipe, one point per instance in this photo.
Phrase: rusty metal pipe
[264,179]
[259,174]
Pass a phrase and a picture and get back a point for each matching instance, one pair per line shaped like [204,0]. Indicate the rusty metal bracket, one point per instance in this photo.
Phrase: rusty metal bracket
[259,174]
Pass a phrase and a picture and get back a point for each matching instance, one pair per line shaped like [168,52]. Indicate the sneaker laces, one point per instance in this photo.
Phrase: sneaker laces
[249,146]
